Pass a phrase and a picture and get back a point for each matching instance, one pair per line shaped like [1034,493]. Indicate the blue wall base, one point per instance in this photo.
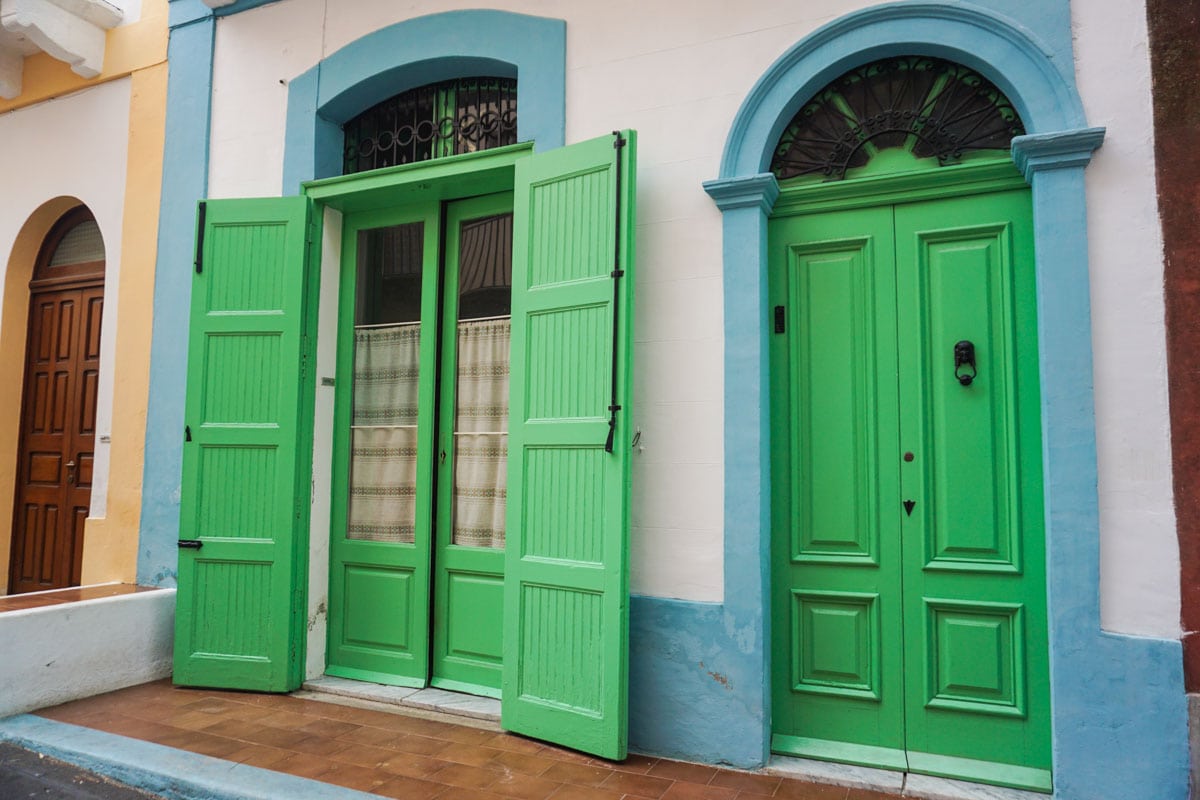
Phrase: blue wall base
[695,691]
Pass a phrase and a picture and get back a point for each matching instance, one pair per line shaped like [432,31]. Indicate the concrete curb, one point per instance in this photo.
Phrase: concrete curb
[174,774]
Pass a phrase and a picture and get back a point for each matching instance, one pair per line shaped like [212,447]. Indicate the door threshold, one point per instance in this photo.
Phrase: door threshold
[428,699]
[908,784]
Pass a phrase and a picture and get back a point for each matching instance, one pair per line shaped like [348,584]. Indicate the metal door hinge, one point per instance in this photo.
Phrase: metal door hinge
[780,319]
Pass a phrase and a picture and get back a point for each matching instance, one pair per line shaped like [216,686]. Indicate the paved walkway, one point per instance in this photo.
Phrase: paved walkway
[400,755]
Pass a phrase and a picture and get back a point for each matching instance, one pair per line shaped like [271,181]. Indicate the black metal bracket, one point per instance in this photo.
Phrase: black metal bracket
[780,320]
[617,274]
[187,433]
[202,214]
[190,544]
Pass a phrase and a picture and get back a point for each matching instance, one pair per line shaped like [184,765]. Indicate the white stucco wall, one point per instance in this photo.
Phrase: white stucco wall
[73,146]
[1139,554]
[679,79]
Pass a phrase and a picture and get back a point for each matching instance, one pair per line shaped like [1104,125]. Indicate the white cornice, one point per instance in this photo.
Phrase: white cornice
[72,31]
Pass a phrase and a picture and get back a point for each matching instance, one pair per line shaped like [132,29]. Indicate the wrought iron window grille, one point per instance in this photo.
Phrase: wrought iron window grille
[928,106]
[464,115]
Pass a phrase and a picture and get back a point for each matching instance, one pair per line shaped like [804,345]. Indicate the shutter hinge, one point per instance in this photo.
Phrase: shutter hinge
[202,213]
[187,433]
[618,140]
[780,320]
[617,273]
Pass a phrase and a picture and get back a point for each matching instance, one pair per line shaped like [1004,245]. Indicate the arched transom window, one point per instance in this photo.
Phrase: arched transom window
[440,119]
[74,248]
[931,107]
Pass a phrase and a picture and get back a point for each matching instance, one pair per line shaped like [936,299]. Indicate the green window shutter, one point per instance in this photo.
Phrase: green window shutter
[247,449]
[566,602]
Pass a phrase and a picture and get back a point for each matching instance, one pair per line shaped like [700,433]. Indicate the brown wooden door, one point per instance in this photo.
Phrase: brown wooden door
[58,430]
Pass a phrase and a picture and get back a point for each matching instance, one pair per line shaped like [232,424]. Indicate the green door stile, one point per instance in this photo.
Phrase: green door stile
[908,555]
[566,593]
[378,589]
[247,449]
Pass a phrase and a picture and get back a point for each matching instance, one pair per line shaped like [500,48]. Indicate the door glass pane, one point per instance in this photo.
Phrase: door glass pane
[481,412]
[387,338]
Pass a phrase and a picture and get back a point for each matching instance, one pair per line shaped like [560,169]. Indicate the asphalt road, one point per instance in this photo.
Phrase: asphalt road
[26,775]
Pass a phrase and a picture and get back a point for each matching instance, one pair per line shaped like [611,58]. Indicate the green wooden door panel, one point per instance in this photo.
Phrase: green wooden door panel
[247,461]
[379,590]
[974,554]
[565,674]
[836,578]
[920,638]
[468,604]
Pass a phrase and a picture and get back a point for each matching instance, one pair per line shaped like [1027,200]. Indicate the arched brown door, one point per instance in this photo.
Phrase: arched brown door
[58,407]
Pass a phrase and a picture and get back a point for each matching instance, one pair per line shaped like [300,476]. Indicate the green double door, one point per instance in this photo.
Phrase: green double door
[417,576]
[909,610]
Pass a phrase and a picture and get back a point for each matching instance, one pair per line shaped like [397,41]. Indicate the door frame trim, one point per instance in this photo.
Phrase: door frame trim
[1094,744]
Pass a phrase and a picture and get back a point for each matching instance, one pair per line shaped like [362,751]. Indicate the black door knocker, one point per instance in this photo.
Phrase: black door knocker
[964,356]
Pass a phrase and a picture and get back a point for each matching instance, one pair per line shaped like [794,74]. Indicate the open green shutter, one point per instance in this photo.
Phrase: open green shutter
[566,603]
[247,449]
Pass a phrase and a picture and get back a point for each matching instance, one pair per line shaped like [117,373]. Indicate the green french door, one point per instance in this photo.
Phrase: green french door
[908,545]
[417,547]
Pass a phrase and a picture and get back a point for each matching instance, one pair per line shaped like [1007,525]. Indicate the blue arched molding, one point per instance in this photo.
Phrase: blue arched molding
[415,52]
[1119,713]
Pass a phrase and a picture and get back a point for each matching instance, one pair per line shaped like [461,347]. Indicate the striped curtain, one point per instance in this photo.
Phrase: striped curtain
[383,458]
[481,433]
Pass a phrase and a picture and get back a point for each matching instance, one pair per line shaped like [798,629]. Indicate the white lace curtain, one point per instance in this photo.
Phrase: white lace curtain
[383,459]
[384,442]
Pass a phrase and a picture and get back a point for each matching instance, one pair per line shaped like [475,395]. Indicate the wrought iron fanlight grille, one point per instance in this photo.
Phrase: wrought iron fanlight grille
[441,119]
[929,106]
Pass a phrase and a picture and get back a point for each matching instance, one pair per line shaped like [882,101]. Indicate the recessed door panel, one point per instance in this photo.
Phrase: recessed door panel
[964,279]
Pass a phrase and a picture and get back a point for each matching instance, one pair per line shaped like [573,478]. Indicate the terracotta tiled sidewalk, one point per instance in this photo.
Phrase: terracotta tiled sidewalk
[407,756]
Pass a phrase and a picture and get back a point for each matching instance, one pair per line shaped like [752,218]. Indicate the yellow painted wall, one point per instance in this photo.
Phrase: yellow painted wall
[110,544]
[138,52]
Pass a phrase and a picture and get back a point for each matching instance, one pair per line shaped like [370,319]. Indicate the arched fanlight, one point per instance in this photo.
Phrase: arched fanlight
[464,115]
[929,106]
